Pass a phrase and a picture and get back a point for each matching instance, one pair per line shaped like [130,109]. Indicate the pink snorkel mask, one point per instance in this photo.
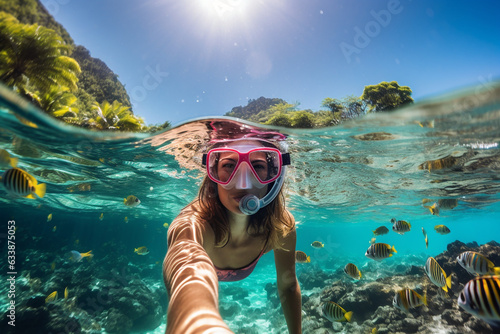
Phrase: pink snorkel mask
[242,164]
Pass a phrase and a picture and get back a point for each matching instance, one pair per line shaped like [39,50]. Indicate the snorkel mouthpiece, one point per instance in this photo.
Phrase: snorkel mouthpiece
[250,204]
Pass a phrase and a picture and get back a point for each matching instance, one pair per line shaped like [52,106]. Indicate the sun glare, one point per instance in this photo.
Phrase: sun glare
[224,9]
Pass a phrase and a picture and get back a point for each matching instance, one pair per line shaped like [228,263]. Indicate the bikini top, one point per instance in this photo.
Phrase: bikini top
[232,275]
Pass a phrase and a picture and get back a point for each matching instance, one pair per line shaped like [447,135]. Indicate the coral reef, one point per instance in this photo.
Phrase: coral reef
[371,302]
[108,293]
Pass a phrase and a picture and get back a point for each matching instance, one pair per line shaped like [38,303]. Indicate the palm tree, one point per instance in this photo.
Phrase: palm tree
[115,116]
[58,102]
[34,58]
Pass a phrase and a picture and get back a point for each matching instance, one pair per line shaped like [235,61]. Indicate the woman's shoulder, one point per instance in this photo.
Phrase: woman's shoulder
[189,218]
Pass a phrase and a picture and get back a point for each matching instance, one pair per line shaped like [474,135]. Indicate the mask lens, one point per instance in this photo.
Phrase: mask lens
[222,164]
[265,164]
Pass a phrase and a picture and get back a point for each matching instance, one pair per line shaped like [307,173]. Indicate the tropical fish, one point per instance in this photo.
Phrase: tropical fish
[408,298]
[353,271]
[141,250]
[400,226]
[101,217]
[426,124]
[77,257]
[125,219]
[317,244]
[165,225]
[381,230]
[442,204]
[372,240]
[18,182]
[426,240]
[6,160]
[447,203]
[434,209]
[374,330]
[437,275]
[441,229]
[334,312]
[49,217]
[131,201]
[380,251]
[481,298]
[302,257]
[51,297]
[54,228]
[477,264]
[66,293]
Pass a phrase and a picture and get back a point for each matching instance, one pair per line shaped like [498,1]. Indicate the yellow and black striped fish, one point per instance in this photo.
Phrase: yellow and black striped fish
[353,271]
[437,275]
[334,312]
[407,298]
[380,251]
[302,257]
[441,229]
[481,298]
[477,264]
[18,182]
[400,226]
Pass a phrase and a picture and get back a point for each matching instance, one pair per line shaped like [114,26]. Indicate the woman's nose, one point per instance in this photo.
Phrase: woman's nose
[243,177]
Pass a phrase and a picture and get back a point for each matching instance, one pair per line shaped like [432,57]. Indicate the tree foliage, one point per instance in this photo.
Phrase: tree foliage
[253,107]
[386,96]
[115,116]
[34,58]
[98,80]
[32,11]
[36,62]
[302,119]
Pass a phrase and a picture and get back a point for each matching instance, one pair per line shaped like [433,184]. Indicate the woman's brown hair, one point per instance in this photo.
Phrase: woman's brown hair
[272,221]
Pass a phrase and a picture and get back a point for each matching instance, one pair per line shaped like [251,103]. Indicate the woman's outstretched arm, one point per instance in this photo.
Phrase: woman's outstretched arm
[288,286]
[191,281]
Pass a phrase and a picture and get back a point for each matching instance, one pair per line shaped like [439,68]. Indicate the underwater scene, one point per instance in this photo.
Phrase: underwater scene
[86,256]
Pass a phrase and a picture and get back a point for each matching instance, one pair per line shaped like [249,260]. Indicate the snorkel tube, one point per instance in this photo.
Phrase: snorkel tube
[250,204]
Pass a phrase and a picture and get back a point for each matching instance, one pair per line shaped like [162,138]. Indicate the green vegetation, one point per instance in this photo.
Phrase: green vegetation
[386,96]
[39,60]
[376,98]
[34,59]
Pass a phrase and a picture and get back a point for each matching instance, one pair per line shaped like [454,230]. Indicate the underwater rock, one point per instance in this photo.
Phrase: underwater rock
[28,320]
[236,292]
[375,136]
[116,322]
[36,301]
[229,310]
[272,296]
[371,301]
[314,277]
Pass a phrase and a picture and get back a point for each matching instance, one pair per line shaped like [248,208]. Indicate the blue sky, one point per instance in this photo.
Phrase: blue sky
[184,59]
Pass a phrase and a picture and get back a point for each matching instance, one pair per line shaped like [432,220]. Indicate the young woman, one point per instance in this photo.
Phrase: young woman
[238,216]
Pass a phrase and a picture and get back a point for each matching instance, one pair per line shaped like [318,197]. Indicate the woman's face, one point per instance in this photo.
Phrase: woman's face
[244,180]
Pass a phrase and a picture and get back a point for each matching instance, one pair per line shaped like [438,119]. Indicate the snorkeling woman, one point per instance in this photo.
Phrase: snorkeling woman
[238,215]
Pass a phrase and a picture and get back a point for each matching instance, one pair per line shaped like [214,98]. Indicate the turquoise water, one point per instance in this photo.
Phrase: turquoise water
[340,188]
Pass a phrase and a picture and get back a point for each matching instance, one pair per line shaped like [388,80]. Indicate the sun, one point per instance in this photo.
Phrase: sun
[224,9]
